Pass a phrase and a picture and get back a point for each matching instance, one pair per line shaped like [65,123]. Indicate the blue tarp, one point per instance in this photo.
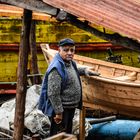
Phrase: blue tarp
[114,130]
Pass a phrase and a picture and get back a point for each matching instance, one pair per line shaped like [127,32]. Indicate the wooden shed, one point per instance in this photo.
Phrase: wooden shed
[121,16]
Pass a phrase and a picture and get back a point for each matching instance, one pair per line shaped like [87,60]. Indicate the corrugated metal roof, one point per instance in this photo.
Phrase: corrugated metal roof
[121,16]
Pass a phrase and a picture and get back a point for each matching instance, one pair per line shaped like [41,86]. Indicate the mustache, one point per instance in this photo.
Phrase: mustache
[69,55]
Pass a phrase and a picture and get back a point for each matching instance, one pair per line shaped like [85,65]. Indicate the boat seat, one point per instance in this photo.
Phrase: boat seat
[128,78]
[30,79]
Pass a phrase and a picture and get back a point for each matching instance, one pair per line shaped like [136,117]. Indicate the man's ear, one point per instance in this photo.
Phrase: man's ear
[59,49]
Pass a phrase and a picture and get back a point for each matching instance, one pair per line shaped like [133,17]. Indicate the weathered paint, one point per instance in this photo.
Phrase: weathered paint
[129,57]
[46,31]
[50,31]
[9,61]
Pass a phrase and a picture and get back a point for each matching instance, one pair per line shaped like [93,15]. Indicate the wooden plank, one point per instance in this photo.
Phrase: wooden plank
[100,120]
[106,64]
[9,133]
[79,47]
[62,136]
[33,50]
[82,123]
[5,136]
[10,91]
[137,137]
[17,13]
[35,5]
[22,76]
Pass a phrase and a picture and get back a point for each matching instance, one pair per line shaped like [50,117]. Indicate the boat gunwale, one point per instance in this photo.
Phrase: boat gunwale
[107,64]
[115,81]
[127,110]
[45,48]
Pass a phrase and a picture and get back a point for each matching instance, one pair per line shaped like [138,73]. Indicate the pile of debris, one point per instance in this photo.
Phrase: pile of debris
[35,121]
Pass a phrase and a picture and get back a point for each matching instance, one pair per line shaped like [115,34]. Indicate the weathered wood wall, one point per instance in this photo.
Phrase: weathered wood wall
[46,31]
[9,61]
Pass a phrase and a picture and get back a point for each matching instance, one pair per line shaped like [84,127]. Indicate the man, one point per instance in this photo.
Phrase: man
[61,89]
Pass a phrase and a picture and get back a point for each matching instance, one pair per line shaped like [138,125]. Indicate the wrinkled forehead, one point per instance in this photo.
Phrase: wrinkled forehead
[68,46]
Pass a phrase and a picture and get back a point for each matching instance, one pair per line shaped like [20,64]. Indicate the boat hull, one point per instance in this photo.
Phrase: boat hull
[117,90]
[114,97]
[7,88]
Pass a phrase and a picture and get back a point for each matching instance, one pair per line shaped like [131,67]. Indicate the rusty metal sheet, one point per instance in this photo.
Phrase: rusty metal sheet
[121,16]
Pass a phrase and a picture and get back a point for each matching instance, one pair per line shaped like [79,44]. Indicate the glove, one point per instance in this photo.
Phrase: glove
[89,72]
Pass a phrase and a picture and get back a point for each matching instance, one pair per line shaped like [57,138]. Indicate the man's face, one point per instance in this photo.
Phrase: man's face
[67,52]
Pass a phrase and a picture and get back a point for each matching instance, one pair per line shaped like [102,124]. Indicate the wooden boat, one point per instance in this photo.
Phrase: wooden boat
[102,46]
[7,91]
[116,90]
[7,87]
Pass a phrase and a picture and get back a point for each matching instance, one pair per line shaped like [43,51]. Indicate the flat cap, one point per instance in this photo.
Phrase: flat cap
[66,41]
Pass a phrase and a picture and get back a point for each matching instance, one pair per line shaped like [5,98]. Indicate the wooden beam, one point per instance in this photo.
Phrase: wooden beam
[33,50]
[115,38]
[137,137]
[22,76]
[34,5]
[10,134]
[100,120]
[82,124]
[17,13]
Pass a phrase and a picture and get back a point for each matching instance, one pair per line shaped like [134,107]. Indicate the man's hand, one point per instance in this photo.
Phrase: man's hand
[58,118]
[89,72]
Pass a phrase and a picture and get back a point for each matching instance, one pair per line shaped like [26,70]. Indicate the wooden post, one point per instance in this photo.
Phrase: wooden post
[82,124]
[33,49]
[137,137]
[22,76]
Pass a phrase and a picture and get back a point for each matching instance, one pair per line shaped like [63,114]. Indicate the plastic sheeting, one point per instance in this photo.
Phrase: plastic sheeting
[7,110]
[35,120]
[114,130]
[76,124]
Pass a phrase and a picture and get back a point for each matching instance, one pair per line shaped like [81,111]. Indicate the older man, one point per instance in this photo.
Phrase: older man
[61,88]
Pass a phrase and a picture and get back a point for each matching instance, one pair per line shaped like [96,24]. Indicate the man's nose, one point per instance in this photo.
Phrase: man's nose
[69,52]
